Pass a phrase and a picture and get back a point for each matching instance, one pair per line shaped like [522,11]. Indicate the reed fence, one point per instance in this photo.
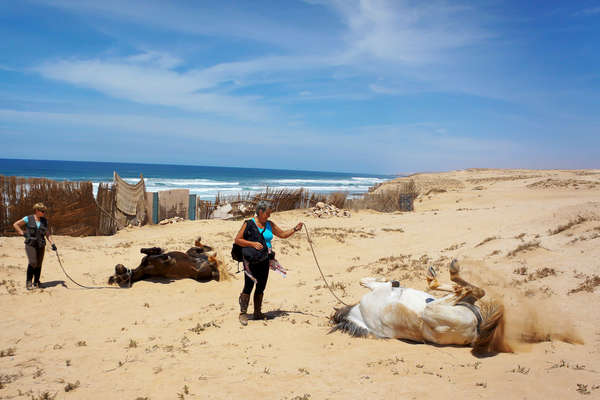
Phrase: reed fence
[244,204]
[400,198]
[71,206]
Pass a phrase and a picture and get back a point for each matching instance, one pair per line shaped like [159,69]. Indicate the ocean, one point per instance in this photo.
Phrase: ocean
[205,182]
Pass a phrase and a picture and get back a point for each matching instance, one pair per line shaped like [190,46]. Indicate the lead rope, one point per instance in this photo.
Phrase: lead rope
[319,267]
[88,287]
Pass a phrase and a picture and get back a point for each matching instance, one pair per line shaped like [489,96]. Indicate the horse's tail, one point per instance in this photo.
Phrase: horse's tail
[342,323]
[340,315]
[491,337]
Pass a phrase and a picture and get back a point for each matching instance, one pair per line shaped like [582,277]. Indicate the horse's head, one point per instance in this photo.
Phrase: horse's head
[121,275]
[215,266]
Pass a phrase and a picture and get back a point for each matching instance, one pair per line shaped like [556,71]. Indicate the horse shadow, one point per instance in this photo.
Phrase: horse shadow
[163,281]
[442,346]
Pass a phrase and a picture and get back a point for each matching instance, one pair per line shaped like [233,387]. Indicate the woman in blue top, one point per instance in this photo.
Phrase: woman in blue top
[259,270]
[36,232]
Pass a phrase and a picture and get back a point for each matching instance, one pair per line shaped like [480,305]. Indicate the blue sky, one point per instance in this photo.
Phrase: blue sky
[342,85]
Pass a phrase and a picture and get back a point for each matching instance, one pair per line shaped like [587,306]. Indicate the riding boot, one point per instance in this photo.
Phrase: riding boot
[29,277]
[244,300]
[37,272]
[258,298]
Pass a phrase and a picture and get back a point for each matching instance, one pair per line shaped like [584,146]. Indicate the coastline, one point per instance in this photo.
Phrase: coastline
[205,181]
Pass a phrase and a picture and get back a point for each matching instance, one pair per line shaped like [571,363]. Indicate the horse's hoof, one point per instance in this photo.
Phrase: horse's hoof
[431,272]
[151,251]
[244,319]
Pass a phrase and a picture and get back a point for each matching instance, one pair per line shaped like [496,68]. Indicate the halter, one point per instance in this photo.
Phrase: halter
[130,273]
[475,311]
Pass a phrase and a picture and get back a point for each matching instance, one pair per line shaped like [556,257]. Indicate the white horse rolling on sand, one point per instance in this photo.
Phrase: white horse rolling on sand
[392,311]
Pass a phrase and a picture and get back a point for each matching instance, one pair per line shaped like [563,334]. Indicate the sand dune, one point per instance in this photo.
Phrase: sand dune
[530,238]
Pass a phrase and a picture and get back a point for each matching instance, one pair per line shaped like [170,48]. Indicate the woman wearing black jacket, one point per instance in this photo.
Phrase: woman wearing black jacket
[35,229]
[255,235]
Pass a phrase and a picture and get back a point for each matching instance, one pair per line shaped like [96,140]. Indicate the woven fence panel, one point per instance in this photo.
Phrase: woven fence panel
[71,206]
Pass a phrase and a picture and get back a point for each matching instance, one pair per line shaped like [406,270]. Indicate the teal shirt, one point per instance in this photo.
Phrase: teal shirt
[37,223]
[267,234]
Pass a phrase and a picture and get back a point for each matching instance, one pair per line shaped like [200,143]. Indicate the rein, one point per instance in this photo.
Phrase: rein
[319,267]
[129,273]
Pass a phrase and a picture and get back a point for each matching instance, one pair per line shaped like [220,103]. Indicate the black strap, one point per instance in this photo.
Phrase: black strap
[475,311]
[258,229]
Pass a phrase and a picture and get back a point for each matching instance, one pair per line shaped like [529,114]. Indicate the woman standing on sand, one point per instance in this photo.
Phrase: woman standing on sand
[36,232]
[255,237]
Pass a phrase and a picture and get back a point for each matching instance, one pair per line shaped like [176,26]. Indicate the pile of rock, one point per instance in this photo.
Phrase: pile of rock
[322,210]
[171,220]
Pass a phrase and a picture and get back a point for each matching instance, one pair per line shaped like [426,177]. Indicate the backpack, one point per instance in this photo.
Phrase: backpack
[239,253]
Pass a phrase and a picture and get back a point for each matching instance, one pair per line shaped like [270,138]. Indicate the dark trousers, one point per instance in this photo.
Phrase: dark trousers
[261,272]
[35,257]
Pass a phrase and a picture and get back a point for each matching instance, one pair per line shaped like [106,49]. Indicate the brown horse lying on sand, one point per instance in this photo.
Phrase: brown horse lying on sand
[195,264]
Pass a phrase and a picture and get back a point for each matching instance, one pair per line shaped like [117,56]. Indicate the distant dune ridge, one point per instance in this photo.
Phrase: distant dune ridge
[530,238]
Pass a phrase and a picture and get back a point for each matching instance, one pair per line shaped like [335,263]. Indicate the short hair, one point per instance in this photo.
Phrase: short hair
[263,206]
[39,206]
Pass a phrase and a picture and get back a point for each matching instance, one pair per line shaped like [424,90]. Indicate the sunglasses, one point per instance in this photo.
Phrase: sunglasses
[42,211]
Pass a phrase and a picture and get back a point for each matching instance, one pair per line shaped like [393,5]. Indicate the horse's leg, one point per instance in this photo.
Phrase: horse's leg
[372,283]
[139,273]
[434,284]
[470,289]
[461,288]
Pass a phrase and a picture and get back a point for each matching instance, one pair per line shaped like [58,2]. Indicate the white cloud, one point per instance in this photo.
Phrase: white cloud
[589,11]
[240,20]
[148,78]
[394,39]
[413,34]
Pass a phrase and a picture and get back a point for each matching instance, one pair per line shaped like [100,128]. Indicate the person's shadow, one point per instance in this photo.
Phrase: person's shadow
[49,284]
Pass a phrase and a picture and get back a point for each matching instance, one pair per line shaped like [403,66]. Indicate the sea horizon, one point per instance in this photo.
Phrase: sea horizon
[205,181]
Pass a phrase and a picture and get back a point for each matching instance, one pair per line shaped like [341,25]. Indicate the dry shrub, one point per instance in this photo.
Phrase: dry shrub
[399,199]
[71,386]
[44,396]
[568,225]
[588,285]
[8,352]
[541,273]
[524,247]
[488,239]
[338,199]
[434,191]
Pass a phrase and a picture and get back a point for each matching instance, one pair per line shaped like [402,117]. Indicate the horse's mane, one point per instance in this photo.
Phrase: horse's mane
[491,336]
[224,274]
[342,323]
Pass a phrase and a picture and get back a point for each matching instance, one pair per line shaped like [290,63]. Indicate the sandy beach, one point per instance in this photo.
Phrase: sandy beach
[530,238]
